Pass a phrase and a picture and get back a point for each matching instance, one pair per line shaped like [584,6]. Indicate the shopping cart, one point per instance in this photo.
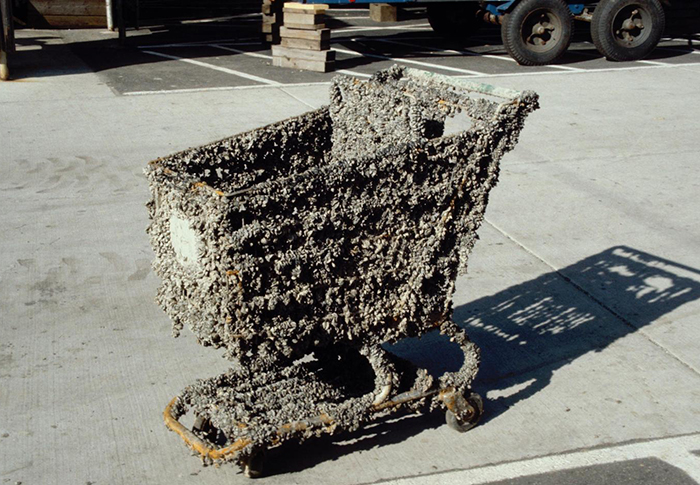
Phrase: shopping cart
[304,246]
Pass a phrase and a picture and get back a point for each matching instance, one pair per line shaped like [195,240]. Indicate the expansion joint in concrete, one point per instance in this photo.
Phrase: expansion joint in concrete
[297,98]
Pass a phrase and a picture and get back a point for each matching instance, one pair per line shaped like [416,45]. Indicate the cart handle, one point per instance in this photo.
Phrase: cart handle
[482,88]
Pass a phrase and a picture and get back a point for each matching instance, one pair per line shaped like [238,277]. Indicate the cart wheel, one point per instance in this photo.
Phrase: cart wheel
[472,410]
[253,467]
[627,30]
[454,20]
[204,428]
[537,32]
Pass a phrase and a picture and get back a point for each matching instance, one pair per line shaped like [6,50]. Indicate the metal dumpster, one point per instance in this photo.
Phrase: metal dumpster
[303,246]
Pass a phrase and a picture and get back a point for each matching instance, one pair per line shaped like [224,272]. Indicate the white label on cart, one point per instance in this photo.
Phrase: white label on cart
[185,241]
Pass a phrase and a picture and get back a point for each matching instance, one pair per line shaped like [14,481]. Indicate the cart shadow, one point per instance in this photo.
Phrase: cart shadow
[292,457]
[529,331]
[526,332]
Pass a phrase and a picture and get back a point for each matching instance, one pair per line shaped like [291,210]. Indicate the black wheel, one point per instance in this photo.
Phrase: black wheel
[455,20]
[627,30]
[537,32]
[471,409]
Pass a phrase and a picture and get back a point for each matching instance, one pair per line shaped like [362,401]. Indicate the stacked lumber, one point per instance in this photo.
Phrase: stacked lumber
[271,20]
[305,40]
[66,13]
[382,12]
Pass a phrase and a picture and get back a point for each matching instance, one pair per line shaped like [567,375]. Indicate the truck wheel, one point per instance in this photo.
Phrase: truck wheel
[537,32]
[455,20]
[627,30]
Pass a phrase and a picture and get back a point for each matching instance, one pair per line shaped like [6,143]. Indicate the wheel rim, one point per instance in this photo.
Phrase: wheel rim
[631,26]
[541,30]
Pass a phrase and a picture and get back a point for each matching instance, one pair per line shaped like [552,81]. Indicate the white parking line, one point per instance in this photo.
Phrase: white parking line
[470,76]
[449,51]
[353,73]
[366,29]
[266,57]
[411,61]
[238,51]
[223,88]
[215,68]
[675,451]
[589,71]
[687,41]
[653,63]
[201,43]
[679,49]
[470,53]
[597,55]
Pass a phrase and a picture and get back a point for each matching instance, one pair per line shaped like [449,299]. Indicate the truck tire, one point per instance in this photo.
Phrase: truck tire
[537,32]
[454,20]
[627,30]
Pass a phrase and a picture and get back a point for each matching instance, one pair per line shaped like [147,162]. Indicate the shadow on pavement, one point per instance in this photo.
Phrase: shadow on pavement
[530,330]
[526,332]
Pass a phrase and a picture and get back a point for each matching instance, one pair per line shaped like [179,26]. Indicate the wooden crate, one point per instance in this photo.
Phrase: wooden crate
[310,60]
[309,44]
[66,13]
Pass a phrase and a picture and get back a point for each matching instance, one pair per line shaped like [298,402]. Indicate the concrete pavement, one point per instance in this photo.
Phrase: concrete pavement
[583,291]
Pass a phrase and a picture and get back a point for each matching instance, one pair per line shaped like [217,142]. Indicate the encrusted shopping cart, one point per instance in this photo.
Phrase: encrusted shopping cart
[304,246]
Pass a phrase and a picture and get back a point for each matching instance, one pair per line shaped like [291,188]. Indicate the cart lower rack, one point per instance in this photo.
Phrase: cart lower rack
[304,246]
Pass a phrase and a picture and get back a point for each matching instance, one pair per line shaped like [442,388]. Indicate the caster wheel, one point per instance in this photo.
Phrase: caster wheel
[253,467]
[472,408]
[203,427]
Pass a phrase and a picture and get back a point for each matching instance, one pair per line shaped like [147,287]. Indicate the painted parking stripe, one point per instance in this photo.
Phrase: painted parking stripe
[353,73]
[367,29]
[327,83]
[587,71]
[598,55]
[447,51]
[473,54]
[410,61]
[240,42]
[238,51]
[267,57]
[215,68]
[677,49]
[676,451]
[224,88]
[686,40]
[653,63]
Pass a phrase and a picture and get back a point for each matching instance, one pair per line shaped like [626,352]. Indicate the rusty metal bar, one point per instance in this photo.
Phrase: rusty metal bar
[197,444]
[208,451]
